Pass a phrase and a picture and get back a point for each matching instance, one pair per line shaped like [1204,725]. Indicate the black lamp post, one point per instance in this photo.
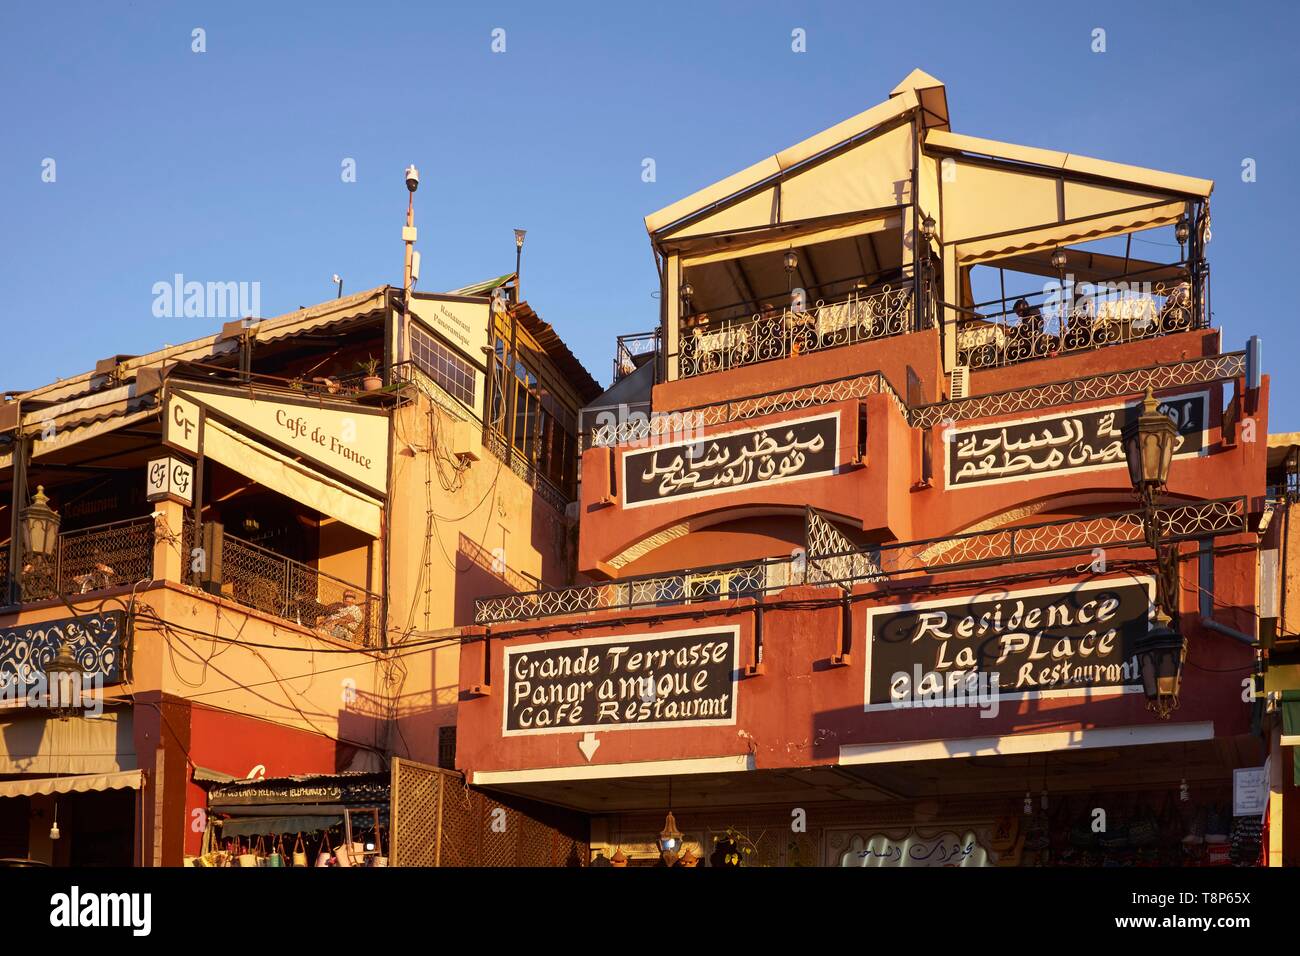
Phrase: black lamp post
[1149,448]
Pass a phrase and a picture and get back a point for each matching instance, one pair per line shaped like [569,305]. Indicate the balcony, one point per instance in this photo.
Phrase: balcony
[92,559]
[1060,321]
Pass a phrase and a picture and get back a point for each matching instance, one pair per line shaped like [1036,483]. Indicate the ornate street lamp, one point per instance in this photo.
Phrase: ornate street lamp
[1182,232]
[63,679]
[40,527]
[1160,654]
[1059,261]
[1149,449]
[928,228]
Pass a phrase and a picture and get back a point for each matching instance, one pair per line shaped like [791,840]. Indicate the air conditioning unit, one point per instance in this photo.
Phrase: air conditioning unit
[959,382]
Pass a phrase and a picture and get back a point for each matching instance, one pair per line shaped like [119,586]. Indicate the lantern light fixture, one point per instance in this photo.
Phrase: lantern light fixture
[1160,654]
[791,260]
[40,526]
[1059,260]
[928,228]
[1149,448]
[63,678]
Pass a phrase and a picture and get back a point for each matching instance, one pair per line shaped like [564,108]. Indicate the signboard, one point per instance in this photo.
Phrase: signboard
[804,448]
[169,479]
[947,848]
[1249,791]
[462,323]
[678,679]
[974,651]
[181,423]
[1085,440]
[350,441]
[349,789]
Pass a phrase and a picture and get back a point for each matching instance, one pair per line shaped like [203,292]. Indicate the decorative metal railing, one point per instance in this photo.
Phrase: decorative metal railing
[1047,324]
[91,559]
[723,582]
[858,317]
[831,559]
[525,469]
[1049,395]
[261,579]
[630,349]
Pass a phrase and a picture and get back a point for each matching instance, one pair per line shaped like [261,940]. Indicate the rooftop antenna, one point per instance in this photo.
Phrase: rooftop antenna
[338,281]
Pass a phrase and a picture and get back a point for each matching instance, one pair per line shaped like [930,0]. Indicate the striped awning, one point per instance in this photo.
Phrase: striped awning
[83,783]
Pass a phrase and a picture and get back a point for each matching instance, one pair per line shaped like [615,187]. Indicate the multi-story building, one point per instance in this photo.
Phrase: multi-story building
[924,528]
[257,547]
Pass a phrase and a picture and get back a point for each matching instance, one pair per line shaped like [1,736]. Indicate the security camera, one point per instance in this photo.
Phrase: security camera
[412,178]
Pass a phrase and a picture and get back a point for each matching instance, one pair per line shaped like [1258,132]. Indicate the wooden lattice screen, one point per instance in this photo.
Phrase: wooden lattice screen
[439,820]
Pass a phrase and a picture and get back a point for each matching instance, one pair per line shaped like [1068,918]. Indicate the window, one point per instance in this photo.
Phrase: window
[451,372]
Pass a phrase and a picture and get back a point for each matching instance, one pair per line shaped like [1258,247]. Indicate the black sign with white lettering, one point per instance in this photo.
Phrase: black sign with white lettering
[1038,643]
[687,678]
[798,449]
[1057,444]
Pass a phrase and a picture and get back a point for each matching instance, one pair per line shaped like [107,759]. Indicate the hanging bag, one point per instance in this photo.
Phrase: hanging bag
[299,852]
[325,851]
[244,855]
[276,859]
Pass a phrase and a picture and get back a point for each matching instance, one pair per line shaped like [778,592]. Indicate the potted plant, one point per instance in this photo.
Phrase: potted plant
[372,382]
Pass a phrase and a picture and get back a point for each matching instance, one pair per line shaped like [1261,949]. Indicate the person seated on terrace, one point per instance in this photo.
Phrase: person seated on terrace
[342,619]
[1029,335]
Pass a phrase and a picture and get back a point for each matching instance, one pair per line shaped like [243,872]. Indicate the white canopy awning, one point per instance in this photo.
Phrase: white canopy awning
[125,779]
[293,479]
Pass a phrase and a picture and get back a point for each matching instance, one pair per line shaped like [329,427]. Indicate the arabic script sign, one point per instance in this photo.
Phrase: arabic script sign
[1044,642]
[684,678]
[1057,444]
[784,452]
[948,848]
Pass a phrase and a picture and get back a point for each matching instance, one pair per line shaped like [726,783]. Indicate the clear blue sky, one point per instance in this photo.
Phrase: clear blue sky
[225,165]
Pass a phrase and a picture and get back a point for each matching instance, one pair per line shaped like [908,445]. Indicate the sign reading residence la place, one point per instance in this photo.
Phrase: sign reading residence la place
[1043,642]
[1058,444]
[677,679]
[803,448]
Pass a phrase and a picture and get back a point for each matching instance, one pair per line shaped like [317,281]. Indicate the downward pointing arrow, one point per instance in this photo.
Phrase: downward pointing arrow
[588,745]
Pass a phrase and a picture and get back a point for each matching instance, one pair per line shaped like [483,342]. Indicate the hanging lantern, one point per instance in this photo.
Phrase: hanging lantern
[670,838]
[1029,804]
[63,677]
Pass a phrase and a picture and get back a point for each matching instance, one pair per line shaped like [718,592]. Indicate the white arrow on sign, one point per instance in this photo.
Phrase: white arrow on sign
[588,745]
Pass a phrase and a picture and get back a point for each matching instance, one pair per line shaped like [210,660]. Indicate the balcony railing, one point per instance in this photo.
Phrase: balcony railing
[1051,323]
[631,351]
[91,559]
[273,584]
[710,345]
[831,560]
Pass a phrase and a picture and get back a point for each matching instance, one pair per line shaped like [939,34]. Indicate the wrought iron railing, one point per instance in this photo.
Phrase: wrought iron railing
[629,351]
[525,470]
[269,582]
[716,346]
[91,559]
[831,559]
[717,583]
[1058,322]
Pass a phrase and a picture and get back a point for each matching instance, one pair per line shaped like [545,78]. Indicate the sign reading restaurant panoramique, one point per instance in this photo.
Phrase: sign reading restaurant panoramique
[803,448]
[1042,642]
[1058,444]
[677,679]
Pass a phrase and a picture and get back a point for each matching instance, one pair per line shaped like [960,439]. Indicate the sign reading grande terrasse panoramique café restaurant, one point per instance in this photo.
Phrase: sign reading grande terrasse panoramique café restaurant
[804,448]
[677,679]
[1059,444]
[1040,642]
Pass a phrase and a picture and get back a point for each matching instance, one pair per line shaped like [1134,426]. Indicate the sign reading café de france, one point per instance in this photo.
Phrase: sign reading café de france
[677,679]
[1040,642]
[1059,444]
[803,448]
